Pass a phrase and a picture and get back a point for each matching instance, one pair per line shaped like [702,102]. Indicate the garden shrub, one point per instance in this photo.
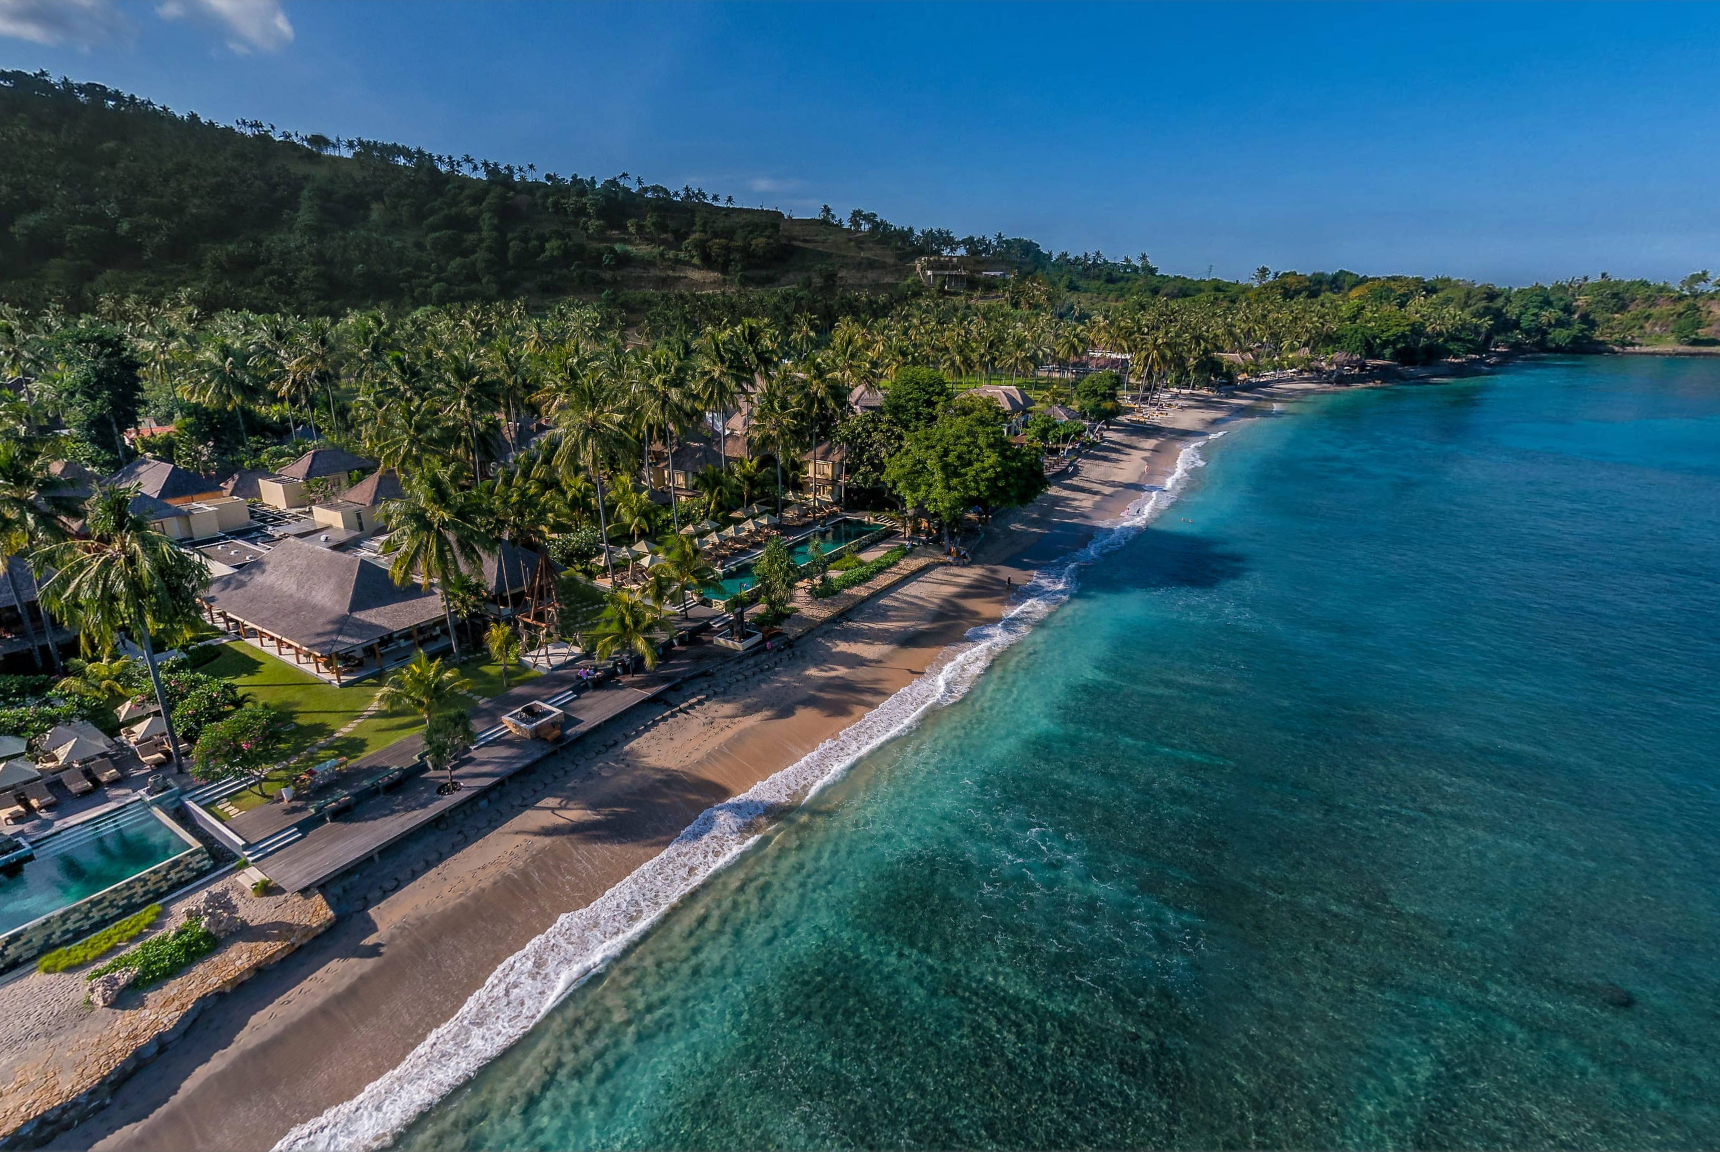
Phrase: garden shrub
[198,699]
[74,955]
[859,574]
[164,956]
[23,689]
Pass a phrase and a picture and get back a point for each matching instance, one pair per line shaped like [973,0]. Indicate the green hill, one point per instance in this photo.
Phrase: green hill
[106,193]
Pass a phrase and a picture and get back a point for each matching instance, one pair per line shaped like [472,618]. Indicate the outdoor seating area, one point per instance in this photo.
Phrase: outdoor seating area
[76,765]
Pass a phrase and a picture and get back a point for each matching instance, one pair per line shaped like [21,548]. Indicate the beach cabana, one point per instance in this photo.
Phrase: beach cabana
[147,729]
[131,711]
[77,750]
[14,774]
[62,734]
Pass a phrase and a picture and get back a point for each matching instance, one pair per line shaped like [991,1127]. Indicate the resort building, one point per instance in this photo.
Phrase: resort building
[179,502]
[17,599]
[338,614]
[827,473]
[286,490]
[865,398]
[166,481]
[690,457]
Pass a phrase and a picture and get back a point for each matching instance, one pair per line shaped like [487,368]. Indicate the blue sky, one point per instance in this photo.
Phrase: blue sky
[1507,143]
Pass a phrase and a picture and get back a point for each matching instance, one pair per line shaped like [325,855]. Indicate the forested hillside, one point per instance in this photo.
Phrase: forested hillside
[104,195]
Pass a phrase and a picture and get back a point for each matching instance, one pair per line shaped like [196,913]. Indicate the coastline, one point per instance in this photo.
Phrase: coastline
[436,920]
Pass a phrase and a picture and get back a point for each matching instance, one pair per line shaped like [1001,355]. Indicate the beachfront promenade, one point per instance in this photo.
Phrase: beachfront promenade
[297,850]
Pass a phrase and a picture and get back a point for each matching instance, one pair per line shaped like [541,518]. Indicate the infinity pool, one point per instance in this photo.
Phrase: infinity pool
[833,537]
[87,859]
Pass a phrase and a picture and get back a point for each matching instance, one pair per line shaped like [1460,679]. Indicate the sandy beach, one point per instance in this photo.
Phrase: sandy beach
[424,927]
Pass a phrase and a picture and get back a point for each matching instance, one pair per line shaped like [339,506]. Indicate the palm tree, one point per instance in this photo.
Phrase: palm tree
[634,510]
[715,385]
[662,404]
[686,568]
[221,378]
[34,508]
[124,575]
[434,534]
[629,624]
[586,408]
[777,422]
[504,645]
[102,679]
[425,686]
[469,393]
[716,484]
[746,475]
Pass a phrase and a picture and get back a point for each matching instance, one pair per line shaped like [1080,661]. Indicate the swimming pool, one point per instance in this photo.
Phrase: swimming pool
[832,537]
[86,859]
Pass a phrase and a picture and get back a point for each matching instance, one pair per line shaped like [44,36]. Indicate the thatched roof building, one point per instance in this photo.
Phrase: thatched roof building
[326,462]
[335,610]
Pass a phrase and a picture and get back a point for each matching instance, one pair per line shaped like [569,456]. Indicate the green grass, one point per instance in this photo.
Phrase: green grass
[88,949]
[164,956]
[486,676]
[320,709]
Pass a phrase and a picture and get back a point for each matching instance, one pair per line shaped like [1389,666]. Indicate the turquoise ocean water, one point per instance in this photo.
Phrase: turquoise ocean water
[1368,799]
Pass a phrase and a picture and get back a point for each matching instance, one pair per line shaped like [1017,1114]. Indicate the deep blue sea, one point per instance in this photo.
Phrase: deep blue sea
[1366,800]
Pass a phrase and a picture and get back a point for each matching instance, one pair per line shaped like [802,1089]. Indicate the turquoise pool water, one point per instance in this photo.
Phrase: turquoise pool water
[842,532]
[1367,800]
[59,876]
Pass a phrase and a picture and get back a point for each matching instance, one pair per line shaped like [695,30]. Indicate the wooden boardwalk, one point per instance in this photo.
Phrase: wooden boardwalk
[318,852]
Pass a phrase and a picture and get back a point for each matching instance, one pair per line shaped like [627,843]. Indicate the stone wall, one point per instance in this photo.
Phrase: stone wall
[75,921]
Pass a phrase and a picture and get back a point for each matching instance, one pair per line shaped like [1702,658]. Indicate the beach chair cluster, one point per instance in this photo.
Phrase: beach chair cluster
[79,758]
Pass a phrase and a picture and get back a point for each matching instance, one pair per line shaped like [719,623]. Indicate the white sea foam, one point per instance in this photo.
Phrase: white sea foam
[532,981]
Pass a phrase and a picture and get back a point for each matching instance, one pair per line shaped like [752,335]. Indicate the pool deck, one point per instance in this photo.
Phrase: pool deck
[298,857]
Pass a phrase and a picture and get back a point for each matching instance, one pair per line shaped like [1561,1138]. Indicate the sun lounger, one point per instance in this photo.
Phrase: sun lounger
[16,813]
[103,769]
[38,795]
[76,782]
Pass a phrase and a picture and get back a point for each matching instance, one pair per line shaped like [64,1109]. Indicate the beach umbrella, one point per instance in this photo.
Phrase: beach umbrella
[17,773]
[130,710]
[77,750]
[769,520]
[708,526]
[11,746]
[690,530]
[146,730]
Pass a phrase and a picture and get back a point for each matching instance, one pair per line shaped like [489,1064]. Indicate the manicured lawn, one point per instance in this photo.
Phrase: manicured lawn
[319,710]
[486,676]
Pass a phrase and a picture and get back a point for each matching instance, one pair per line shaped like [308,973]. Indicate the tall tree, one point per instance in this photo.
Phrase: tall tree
[123,575]
[34,508]
[587,408]
[435,533]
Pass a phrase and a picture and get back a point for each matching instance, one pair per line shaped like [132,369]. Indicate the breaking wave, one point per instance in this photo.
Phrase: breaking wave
[532,981]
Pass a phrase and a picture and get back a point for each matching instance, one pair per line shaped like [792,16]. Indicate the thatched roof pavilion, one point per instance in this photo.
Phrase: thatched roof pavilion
[334,610]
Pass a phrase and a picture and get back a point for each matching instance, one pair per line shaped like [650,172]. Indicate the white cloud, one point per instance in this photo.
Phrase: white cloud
[767,184]
[250,25]
[80,23]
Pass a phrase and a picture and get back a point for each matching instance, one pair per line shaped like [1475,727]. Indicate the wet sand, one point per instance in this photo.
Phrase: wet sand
[429,922]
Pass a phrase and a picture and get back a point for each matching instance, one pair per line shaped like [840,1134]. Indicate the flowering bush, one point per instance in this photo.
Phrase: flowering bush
[242,744]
